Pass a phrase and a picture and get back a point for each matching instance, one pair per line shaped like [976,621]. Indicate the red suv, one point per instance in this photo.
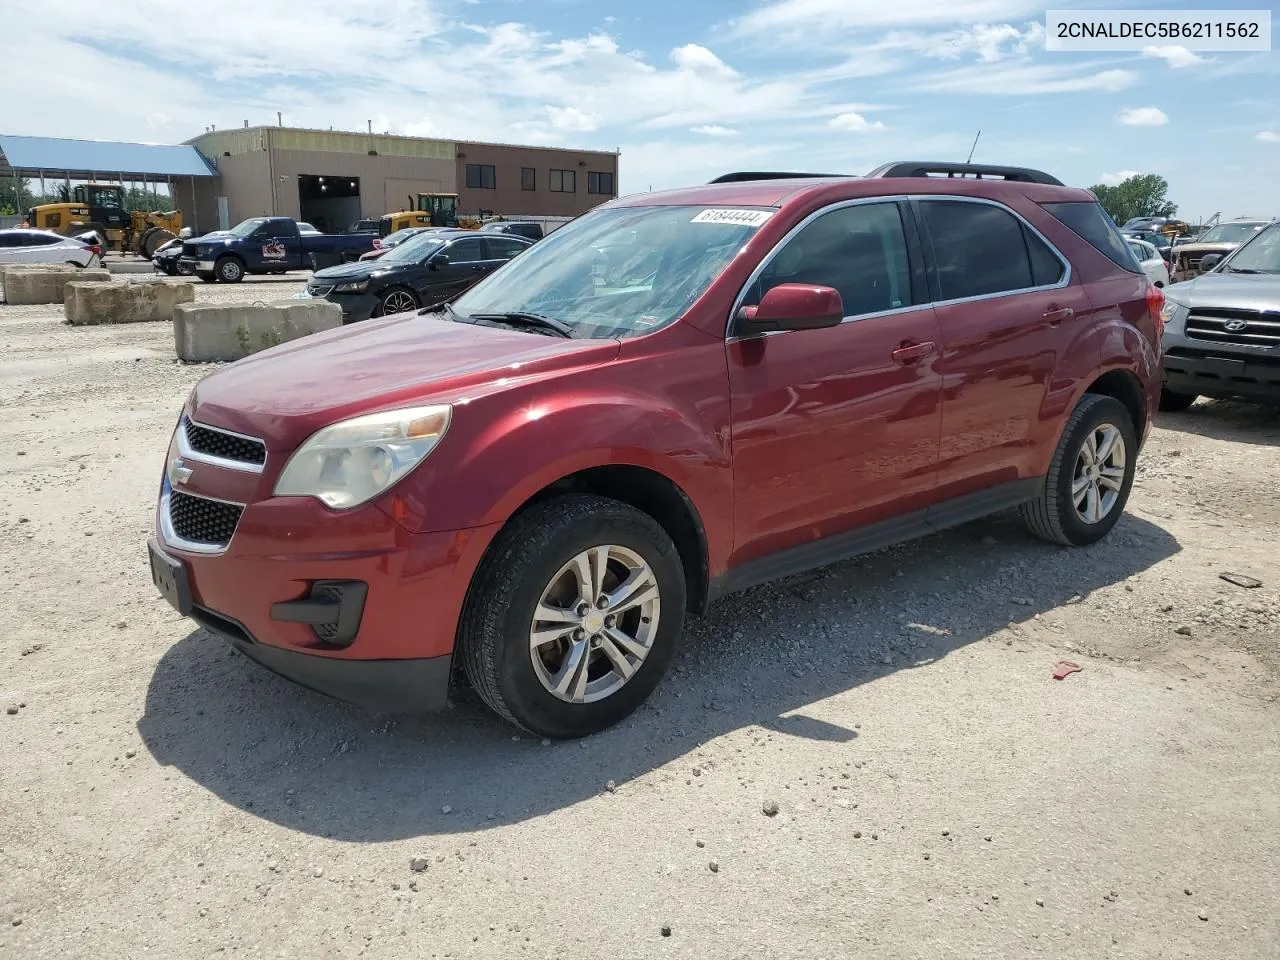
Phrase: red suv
[675,396]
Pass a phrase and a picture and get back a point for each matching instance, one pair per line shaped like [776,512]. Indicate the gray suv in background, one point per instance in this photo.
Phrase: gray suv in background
[1222,329]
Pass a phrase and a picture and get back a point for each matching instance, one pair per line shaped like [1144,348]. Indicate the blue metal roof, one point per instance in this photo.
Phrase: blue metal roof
[31,154]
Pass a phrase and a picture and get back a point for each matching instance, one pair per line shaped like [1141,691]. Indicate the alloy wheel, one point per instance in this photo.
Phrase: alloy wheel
[594,624]
[398,301]
[1098,479]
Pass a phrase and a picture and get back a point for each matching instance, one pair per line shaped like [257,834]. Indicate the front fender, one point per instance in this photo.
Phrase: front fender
[502,449]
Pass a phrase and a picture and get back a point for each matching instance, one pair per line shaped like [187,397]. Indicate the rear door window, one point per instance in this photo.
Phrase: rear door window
[466,250]
[1046,268]
[978,249]
[504,248]
[1087,221]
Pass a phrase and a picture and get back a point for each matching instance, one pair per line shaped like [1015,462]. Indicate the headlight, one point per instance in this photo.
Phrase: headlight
[351,462]
[357,286]
[1169,310]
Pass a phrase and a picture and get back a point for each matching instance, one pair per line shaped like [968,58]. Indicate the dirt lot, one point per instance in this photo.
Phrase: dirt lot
[938,794]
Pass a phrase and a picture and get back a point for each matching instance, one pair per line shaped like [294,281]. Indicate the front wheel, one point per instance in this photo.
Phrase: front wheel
[574,615]
[229,270]
[206,277]
[1090,477]
[397,300]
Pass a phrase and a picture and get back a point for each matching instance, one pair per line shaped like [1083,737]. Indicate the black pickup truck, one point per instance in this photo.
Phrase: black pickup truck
[268,245]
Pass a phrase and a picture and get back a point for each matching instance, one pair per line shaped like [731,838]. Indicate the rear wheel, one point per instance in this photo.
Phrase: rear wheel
[573,616]
[1090,477]
[397,300]
[229,270]
[1171,402]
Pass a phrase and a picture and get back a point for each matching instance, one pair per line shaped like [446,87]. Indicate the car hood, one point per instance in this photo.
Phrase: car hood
[1241,291]
[286,393]
[1223,246]
[346,272]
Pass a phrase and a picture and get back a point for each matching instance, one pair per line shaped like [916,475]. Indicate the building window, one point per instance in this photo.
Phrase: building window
[480,176]
[563,181]
[600,183]
[528,178]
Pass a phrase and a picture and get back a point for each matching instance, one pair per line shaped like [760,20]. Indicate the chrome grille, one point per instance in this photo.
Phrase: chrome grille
[225,446]
[201,520]
[319,289]
[1254,328]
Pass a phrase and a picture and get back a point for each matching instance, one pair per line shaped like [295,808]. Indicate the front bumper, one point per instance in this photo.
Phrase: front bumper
[262,593]
[355,306]
[1221,373]
[380,686]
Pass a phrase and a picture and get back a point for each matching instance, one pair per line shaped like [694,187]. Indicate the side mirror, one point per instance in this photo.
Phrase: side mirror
[792,306]
[438,261]
[1209,261]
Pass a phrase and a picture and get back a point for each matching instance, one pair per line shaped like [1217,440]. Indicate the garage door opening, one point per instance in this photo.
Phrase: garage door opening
[330,204]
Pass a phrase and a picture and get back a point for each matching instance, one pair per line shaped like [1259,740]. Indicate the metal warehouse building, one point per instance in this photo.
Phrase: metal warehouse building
[332,178]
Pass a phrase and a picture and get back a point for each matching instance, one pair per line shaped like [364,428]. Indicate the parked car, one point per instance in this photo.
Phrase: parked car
[382,244]
[307,230]
[536,482]
[365,226]
[435,265]
[529,229]
[1222,329]
[1220,240]
[1156,269]
[268,245]
[1161,241]
[44,246]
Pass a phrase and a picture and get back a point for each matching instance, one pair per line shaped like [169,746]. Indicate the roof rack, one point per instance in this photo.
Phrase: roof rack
[743,176]
[980,171]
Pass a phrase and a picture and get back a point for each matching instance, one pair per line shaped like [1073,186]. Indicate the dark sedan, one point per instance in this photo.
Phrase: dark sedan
[422,271]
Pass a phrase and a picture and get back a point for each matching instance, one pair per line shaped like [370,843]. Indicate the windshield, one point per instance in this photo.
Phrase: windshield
[245,228]
[412,250]
[400,236]
[620,272]
[1230,233]
[1261,254]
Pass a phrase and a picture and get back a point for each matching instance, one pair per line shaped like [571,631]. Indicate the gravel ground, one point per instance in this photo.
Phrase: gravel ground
[872,760]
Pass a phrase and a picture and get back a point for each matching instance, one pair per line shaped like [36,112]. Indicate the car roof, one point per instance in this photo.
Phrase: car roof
[802,191]
[32,231]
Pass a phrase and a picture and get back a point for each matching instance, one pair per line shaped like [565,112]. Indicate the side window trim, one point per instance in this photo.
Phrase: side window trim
[935,287]
[914,256]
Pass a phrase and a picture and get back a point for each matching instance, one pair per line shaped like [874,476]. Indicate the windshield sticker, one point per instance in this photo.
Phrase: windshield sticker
[740,218]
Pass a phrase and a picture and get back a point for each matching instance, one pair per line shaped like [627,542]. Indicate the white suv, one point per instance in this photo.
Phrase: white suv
[43,246]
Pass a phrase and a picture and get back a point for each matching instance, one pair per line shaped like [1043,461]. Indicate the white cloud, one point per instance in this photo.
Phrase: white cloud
[571,119]
[699,60]
[1176,56]
[1269,136]
[1143,117]
[1025,79]
[715,130]
[988,42]
[854,122]
[802,20]
[1112,179]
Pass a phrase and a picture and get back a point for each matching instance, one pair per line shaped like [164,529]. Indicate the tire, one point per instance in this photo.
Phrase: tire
[520,571]
[153,240]
[183,271]
[228,270]
[1054,515]
[140,243]
[206,277]
[1171,402]
[397,300]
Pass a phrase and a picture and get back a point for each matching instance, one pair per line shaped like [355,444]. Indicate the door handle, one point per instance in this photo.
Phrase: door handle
[908,352]
[1055,315]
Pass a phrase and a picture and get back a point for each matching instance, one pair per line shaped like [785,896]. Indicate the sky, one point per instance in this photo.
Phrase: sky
[686,90]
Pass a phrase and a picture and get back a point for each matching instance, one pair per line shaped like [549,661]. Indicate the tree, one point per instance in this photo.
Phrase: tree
[1142,195]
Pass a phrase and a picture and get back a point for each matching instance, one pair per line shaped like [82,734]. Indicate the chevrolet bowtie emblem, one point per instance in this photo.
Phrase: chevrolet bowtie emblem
[179,472]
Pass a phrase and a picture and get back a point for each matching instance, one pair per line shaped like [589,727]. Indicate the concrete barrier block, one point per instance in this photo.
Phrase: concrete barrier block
[29,285]
[90,304]
[208,332]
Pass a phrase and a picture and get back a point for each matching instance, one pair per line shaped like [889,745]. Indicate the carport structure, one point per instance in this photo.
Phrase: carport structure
[47,158]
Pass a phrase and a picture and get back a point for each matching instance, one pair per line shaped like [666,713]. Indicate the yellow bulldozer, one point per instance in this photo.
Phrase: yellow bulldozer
[99,207]
[429,210]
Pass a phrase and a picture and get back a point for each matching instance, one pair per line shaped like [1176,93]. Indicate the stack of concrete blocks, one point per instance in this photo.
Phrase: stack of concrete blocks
[209,333]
